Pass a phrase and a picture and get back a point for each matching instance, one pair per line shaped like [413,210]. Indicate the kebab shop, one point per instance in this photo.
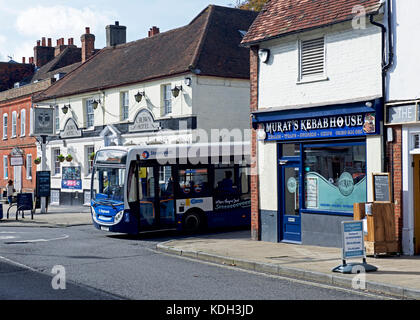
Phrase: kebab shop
[320,161]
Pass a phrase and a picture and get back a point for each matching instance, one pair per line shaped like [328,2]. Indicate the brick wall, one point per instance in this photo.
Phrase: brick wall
[394,156]
[255,216]
[26,143]
[10,73]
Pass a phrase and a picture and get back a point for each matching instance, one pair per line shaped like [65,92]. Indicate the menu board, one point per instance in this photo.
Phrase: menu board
[43,183]
[381,187]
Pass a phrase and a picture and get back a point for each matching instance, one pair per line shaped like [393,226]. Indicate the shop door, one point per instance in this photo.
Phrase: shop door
[290,203]
[17,172]
[416,196]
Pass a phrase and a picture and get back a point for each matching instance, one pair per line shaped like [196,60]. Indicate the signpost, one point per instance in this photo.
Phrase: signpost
[43,126]
[353,247]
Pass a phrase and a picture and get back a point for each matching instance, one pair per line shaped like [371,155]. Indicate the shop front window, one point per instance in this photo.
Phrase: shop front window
[335,177]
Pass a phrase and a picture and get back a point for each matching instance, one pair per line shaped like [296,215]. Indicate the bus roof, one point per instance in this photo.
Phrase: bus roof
[195,150]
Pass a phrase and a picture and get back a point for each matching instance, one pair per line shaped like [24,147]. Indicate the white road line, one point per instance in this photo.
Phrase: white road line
[18,264]
[42,240]
[7,237]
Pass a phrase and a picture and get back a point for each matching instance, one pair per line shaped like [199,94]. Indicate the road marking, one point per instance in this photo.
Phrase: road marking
[18,264]
[7,237]
[39,240]
[305,282]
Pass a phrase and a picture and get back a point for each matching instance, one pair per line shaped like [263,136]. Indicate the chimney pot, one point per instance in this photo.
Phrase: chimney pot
[87,30]
[43,42]
[38,43]
[153,31]
[49,42]
[117,23]
[23,60]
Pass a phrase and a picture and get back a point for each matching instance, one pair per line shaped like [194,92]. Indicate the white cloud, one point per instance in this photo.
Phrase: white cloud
[3,54]
[60,21]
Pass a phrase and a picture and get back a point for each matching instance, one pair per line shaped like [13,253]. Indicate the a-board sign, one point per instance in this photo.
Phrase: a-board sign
[25,201]
[381,187]
[353,239]
[43,183]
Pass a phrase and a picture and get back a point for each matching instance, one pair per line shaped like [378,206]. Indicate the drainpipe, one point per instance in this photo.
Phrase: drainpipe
[386,65]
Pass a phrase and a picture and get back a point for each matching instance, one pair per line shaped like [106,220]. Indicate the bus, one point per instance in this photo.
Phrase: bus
[188,188]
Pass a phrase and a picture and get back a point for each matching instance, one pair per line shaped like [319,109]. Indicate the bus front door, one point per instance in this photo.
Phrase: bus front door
[149,205]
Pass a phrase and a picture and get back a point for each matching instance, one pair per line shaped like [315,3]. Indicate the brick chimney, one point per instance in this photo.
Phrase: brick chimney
[43,53]
[115,34]
[153,31]
[61,46]
[88,45]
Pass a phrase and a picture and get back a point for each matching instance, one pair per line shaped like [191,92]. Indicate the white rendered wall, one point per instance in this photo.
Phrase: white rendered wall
[404,76]
[374,149]
[267,170]
[353,68]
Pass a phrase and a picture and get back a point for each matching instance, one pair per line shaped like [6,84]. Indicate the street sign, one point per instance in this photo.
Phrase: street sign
[353,247]
[43,183]
[44,122]
[353,239]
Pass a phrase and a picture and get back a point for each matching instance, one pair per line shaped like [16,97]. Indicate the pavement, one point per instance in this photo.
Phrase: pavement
[397,276]
[56,216]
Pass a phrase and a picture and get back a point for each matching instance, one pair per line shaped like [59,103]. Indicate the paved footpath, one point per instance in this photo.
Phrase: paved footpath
[396,276]
[56,216]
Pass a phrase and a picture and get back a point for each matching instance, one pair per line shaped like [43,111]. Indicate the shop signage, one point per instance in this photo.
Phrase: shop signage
[381,187]
[16,161]
[43,183]
[70,130]
[72,178]
[44,123]
[144,121]
[353,239]
[25,201]
[402,114]
[324,127]
[292,185]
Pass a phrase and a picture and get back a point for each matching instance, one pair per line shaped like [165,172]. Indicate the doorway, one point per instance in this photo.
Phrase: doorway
[416,196]
[290,202]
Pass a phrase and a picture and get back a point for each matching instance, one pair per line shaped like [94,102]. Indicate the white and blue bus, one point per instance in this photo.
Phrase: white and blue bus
[184,187]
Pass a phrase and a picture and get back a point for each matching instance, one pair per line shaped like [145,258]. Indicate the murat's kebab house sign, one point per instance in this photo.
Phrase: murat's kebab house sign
[322,127]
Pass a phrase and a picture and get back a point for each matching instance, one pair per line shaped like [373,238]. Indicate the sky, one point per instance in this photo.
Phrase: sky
[23,22]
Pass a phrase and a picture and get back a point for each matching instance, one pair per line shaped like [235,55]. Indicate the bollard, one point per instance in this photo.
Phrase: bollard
[1,211]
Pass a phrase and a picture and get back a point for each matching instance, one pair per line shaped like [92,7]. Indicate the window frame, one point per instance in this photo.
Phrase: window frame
[125,105]
[166,108]
[5,125]
[90,116]
[29,162]
[308,144]
[5,167]
[14,125]
[22,122]
[56,164]
[89,162]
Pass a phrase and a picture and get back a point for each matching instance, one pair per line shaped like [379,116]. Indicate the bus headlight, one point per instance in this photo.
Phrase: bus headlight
[118,217]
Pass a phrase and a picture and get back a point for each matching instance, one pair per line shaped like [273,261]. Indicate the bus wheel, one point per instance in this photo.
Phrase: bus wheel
[192,222]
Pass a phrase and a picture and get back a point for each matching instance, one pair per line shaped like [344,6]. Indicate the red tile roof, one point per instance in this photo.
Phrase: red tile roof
[281,17]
